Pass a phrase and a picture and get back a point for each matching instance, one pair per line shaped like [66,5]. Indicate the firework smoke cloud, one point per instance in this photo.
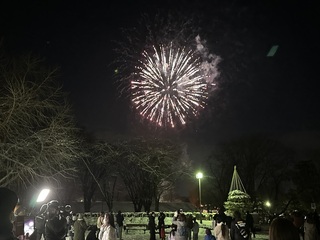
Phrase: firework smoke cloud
[209,62]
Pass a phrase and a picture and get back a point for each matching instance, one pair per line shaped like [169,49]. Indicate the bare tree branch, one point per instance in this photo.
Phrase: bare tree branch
[37,133]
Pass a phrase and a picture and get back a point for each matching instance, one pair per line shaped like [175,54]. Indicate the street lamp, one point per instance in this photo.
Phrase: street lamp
[43,195]
[199,176]
[268,204]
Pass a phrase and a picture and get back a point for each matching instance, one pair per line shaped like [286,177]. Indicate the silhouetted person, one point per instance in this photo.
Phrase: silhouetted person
[56,224]
[92,233]
[238,230]
[80,227]
[208,235]
[161,225]
[40,221]
[195,229]
[223,217]
[221,231]
[250,223]
[8,201]
[310,229]
[283,229]
[119,225]
[99,223]
[152,226]
[298,220]
[189,226]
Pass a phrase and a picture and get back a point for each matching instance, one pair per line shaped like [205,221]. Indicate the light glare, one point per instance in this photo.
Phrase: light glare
[199,175]
[43,195]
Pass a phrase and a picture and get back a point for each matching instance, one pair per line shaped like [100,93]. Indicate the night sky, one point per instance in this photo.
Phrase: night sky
[280,96]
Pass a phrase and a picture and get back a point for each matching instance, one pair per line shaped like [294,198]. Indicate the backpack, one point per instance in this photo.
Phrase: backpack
[244,232]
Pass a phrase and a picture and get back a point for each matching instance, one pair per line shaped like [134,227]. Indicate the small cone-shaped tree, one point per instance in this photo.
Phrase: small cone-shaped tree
[238,199]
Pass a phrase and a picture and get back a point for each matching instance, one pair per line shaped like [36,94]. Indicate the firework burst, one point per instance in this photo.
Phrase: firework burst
[169,85]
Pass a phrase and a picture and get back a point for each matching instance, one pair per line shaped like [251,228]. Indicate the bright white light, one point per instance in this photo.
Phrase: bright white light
[268,204]
[43,195]
[199,175]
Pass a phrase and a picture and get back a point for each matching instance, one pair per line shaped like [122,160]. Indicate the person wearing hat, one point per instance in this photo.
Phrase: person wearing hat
[8,201]
[56,227]
[80,227]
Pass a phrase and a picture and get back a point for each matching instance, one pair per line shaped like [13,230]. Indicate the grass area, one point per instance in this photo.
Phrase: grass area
[141,236]
[142,219]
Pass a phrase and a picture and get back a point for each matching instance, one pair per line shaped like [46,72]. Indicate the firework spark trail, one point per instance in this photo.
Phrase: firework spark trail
[170,85]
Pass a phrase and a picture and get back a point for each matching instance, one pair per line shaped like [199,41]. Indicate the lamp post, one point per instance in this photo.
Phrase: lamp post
[268,205]
[199,176]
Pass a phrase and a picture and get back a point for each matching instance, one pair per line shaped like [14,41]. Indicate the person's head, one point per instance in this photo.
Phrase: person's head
[119,212]
[102,214]
[283,229]
[208,231]
[219,219]
[108,219]
[310,218]
[221,210]
[53,208]
[80,216]
[8,201]
[182,217]
[237,215]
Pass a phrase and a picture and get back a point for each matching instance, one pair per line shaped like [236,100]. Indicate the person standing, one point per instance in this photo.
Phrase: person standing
[56,226]
[298,220]
[283,229]
[40,222]
[119,221]
[8,201]
[250,223]
[221,231]
[162,226]
[195,229]
[92,233]
[181,223]
[152,226]
[310,228]
[80,227]
[189,226]
[108,230]
[99,222]
[208,235]
[239,230]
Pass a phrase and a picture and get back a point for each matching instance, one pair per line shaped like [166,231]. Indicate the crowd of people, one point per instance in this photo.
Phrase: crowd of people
[53,224]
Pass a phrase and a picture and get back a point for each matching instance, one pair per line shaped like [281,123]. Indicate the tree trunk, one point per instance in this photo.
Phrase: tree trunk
[87,204]
[156,205]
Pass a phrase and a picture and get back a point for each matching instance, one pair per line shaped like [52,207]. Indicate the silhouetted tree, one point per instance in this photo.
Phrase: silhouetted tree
[148,168]
[261,162]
